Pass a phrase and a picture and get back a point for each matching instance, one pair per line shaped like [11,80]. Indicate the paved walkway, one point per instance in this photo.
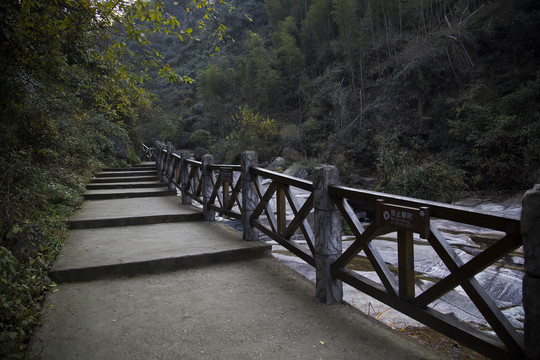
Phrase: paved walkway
[145,278]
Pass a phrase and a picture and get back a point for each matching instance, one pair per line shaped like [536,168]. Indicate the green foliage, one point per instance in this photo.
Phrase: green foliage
[264,82]
[290,135]
[253,131]
[72,102]
[386,89]
[431,180]
[402,173]
[201,138]
[289,58]
[216,86]
[499,141]
[158,125]
[318,25]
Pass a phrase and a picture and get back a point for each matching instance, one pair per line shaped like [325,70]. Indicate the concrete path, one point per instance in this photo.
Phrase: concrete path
[191,290]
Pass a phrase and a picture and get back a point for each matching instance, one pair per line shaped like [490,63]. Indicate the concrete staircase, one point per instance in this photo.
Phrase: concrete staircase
[135,182]
[132,223]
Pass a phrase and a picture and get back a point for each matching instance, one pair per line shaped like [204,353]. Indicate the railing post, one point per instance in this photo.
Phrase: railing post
[159,158]
[170,162]
[206,182]
[184,177]
[530,231]
[249,195]
[327,230]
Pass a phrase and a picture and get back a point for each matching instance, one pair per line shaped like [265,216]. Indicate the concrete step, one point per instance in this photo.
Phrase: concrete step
[124,185]
[102,180]
[127,193]
[135,168]
[124,174]
[92,254]
[133,211]
[132,221]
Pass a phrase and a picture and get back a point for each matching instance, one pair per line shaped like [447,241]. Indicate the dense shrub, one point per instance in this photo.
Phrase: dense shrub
[252,131]
[200,138]
[431,180]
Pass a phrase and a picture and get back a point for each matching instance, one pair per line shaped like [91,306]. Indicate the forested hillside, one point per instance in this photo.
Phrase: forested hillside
[429,97]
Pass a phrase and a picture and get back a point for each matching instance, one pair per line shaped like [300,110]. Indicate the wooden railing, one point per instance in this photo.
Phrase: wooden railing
[262,198]
[398,213]
[226,196]
[276,226]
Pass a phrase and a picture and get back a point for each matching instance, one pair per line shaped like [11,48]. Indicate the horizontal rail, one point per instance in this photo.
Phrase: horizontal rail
[283,179]
[435,320]
[225,193]
[438,210]
[193,162]
[286,243]
[148,152]
[228,213]
[224,167]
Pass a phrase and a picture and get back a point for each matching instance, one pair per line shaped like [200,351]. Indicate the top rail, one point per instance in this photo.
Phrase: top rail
[455,213]
[192,162]
[285,179]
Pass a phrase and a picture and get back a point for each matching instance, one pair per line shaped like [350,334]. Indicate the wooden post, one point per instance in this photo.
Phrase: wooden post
[184,177]
[530,231]
[226,193]
[207,187]
[281,208]
[327,230]
[249,195]
[406,264]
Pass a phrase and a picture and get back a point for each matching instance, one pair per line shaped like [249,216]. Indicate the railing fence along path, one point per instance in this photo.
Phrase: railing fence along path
[261,199]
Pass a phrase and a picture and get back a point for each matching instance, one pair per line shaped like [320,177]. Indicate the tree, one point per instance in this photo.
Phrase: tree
[252,131]
[261,82]
[318,25]
[216,87]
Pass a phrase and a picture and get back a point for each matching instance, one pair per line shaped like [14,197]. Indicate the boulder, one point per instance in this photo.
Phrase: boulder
[297,170]
[199,152]
[355,179]
[278,162]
